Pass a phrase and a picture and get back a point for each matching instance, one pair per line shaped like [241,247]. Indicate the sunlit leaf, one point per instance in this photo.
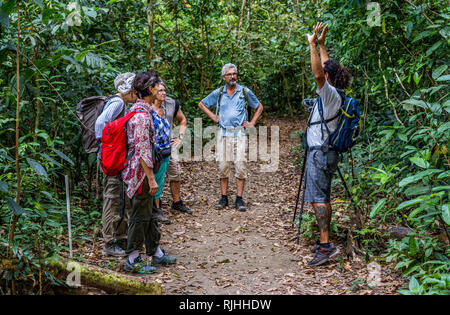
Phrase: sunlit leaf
[446,213]
[418,176]
[375,209]
[409,203]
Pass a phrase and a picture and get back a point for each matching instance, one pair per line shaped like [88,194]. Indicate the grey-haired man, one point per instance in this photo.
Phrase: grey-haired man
[115,235]
[231,139]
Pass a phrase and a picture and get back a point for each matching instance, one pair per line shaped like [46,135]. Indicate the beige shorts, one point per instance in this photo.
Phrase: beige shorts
[232,150]
[173,173]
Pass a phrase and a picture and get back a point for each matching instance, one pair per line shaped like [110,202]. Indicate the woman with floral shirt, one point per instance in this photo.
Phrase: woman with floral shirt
[140,181]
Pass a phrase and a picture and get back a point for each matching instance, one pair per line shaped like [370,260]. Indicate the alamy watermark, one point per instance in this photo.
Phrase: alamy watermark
[73,279]
[249,144]
[374,274]
[74,17]
[374,17]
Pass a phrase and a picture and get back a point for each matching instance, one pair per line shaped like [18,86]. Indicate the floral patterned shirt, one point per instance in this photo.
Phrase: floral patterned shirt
[162,131]
[141,138]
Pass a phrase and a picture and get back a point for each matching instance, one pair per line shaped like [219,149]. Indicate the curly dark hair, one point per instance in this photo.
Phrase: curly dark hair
[143,81]
[340,77]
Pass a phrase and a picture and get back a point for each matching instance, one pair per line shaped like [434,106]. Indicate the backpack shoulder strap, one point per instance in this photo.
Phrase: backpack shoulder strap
[219,99]
[108,102]
[246,100]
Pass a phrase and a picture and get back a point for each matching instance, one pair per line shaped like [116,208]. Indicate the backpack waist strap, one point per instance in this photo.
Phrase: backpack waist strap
[324,148]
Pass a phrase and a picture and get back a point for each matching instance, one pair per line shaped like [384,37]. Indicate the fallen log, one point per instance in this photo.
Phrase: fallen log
[108,281]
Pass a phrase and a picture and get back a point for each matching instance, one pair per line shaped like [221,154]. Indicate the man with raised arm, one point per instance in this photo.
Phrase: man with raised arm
[321,160]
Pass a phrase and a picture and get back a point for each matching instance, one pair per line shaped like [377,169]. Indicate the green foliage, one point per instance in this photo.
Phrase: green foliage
[71,51]
[420,258]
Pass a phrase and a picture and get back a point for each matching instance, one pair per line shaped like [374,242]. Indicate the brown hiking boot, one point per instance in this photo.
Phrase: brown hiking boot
[323,254]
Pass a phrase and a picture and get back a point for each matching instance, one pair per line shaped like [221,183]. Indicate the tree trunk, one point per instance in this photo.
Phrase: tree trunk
[286,88]
[14,218]
[238,35]
[150,4]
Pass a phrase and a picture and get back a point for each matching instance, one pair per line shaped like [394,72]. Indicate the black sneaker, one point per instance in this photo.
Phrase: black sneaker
[223,202]
[161,217]
[240,205]
[179,206]
[113,249]
[323,254]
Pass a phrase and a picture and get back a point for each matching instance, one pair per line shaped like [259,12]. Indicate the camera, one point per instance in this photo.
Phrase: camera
[309,103]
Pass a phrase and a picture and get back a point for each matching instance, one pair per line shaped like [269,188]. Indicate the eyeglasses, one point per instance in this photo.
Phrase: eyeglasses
[162,91]
[231,74]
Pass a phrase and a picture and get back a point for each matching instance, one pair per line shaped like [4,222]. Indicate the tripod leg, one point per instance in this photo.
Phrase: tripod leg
[300,216]
[299,188]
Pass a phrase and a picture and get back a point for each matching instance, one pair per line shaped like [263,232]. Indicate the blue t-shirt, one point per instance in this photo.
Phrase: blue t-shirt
[232,110]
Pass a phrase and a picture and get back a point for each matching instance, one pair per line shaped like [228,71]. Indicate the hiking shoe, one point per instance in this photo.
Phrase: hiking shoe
[139,266]
[179,206]
[240,205]
[223,202]
[323,254]
[161,217]
[164,260]
[113,249]
[314,247]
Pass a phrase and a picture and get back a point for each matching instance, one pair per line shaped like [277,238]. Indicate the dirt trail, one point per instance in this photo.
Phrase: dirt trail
[254,252]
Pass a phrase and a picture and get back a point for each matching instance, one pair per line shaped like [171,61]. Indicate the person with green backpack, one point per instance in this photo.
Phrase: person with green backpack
[231,115]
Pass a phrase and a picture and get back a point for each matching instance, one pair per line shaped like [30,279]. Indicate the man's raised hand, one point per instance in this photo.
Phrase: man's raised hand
[321,39]
[312,37]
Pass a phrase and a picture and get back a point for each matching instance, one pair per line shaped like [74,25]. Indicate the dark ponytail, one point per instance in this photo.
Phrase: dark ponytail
[339,76]
[143,81]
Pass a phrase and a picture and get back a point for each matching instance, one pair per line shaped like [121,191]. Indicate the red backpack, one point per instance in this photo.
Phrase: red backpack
[113,155]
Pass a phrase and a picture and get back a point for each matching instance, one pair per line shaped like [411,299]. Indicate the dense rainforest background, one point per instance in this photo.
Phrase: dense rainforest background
[54,53]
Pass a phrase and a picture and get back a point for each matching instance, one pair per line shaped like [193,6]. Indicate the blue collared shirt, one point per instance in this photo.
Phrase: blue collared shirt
[232,110]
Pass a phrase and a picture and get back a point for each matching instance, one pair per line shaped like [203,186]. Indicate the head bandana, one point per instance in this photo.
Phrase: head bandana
[124,82]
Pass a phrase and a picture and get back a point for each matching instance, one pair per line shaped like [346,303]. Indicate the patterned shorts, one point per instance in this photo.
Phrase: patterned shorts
[320,167]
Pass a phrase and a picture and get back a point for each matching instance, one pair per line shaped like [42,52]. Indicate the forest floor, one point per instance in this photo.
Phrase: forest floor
[252,252]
